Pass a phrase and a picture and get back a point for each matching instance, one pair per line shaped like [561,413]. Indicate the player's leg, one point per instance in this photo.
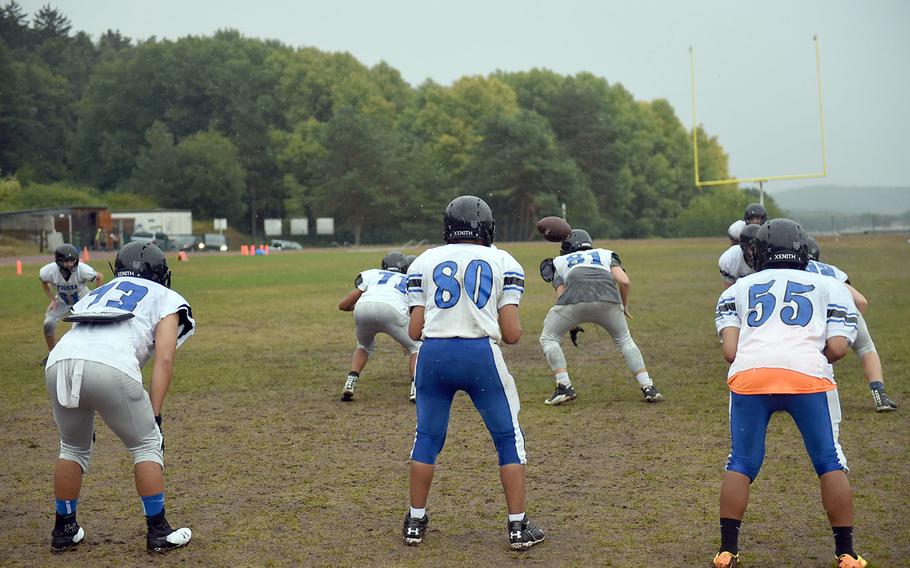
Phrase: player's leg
[439,358]
[76,428]
[610,316]
[367,323]
[749,417]
[818,417]
[556,325]
[864,348]
[51,319]
[492,390]
[125,407]
[397,328]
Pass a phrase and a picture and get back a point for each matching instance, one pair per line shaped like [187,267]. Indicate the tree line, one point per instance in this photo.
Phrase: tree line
[249,129]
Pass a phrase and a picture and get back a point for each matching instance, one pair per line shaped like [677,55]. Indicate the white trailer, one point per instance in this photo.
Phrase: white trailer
[167,221]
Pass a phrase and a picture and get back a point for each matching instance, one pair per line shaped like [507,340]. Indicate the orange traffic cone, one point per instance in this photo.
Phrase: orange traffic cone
[182,256]
[85,255]
[18,268]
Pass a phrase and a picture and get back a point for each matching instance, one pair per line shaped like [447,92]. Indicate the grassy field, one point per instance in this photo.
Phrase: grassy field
[269,468]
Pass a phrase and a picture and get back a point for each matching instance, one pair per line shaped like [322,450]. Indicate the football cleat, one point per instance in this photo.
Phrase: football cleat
[414,530]
[349,385]
[524,534]
[563,393]
[161,537]
[847,561]
[67,537]
[412,396]
[651,394]
[725,559]
[883,402]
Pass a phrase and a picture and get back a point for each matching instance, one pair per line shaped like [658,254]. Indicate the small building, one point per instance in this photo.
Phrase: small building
[82,225]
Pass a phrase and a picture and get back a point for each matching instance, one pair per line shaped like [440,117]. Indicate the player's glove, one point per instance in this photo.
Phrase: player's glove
[547,270]
[160,431]
[573,334]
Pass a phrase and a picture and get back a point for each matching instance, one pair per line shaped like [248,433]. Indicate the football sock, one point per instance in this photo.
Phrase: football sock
[729,535]
[354,374]
[66,506]
[563,379]
[153,504]
[418,513]
[644,379]
[516,517]
[843,541]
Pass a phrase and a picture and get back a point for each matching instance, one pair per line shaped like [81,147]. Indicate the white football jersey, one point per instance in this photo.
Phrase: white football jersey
[592,258]
[462,287]
[385,286]
[827,270]
[125,345]
[733,266]
[785,317]
[69,290]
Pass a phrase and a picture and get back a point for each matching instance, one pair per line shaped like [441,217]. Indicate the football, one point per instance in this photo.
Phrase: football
[554,229]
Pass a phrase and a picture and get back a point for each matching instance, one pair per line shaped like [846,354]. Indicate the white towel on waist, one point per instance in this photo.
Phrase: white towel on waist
[69,382]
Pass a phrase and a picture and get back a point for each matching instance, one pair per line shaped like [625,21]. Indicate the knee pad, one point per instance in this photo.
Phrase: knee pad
[50,327]
[76,454]
[507,448]
[744,465]
[631,353]
[427,447]
[368,348]
[148,451]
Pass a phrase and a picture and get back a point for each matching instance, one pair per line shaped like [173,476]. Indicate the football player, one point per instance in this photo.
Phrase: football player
[96,368]
[464,300]
[863,346]
[70,279]
[736,261]
[379,301]
[591,286]
[755,214]
[782,328]
[734,230]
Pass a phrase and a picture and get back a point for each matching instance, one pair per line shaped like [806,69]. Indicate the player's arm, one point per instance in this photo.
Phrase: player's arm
[165,350]
[560,290]
[348,302]
[50,294]
[862,304]
[99,279]
[730,338]
[415,324]
[509,323]
[835,348]
[622,280]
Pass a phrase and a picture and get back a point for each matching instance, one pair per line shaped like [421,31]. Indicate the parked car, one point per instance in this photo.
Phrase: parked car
[279,244]
[159,239]
[184,242]
[213,242]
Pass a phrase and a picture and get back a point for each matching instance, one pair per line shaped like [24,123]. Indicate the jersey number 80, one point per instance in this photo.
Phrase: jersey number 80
[478,283]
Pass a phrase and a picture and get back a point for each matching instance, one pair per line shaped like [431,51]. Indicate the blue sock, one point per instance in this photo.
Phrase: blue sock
[66,506]
[153,504]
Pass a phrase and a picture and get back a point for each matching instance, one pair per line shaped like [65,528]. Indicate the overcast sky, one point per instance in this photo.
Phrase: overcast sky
[755,72]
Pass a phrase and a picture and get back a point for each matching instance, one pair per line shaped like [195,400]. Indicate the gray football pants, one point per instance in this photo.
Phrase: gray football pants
[120,400]
[863,343]
[608,315]
[371,318]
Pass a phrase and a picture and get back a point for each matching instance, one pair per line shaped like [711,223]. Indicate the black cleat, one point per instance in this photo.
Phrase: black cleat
[67,535]
[651,394]
[563,393]
[161,537]
[524,534]
[414,530]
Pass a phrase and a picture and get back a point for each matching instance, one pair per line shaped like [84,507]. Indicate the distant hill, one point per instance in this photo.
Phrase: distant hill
[844,199]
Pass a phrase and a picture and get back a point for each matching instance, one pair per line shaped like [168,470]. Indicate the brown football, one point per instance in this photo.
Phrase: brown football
[554,229]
